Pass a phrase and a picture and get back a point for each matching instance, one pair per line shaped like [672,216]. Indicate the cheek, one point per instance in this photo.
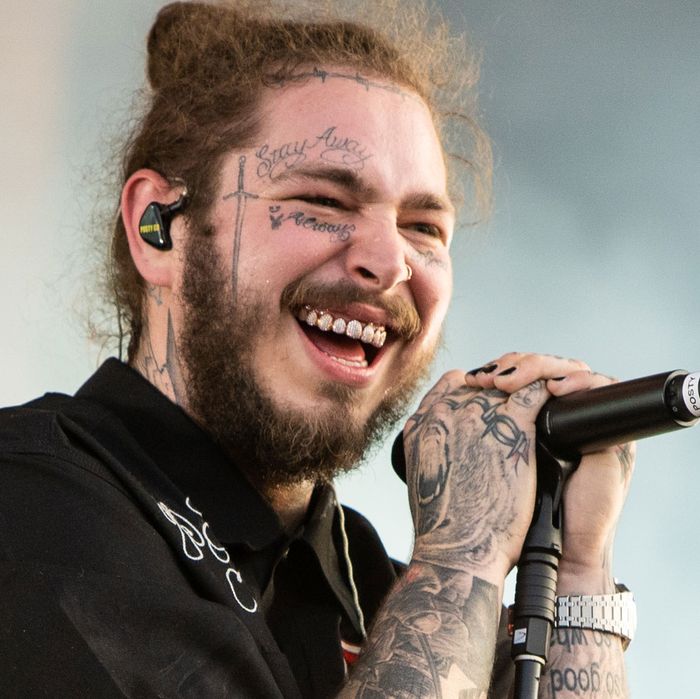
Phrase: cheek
[290,246]
[282,254]
[432,292]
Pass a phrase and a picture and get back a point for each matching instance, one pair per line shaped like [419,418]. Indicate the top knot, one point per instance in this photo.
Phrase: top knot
[181,34]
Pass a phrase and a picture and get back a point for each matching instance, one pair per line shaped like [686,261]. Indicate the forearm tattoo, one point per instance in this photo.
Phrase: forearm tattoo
[436,632]
[584,663]
[435,635]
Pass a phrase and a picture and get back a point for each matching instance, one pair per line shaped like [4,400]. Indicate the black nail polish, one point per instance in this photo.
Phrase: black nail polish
[482,370]
[507,372]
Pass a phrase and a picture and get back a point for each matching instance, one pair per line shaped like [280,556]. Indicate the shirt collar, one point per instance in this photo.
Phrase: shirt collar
[324,531]
[236,511]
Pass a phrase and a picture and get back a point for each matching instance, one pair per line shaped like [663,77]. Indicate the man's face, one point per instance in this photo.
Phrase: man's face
[315,229]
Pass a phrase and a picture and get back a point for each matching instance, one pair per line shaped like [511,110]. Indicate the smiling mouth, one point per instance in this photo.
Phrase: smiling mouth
[348,341]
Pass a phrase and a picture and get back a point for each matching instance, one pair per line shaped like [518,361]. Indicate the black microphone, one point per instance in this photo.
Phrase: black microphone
[586,421]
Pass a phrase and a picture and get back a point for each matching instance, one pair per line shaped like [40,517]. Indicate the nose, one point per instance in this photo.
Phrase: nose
[376,255]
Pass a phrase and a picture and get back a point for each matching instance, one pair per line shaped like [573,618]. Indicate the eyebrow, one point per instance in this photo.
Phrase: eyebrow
[353,183]
[425,201]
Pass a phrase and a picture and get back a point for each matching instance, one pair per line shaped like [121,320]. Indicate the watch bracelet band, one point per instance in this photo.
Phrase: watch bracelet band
[616,613]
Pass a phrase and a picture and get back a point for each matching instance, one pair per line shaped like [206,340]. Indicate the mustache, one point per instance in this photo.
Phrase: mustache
[403,316]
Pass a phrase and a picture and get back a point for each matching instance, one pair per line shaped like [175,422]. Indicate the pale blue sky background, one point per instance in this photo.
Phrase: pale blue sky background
[593,250]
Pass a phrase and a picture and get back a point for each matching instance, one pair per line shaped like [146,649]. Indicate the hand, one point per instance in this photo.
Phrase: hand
[470,464]
[595,493]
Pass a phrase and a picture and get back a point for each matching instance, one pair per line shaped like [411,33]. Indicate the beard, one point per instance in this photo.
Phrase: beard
[276,444]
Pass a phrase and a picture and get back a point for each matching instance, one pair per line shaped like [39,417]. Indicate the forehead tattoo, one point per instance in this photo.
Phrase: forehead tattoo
[329,146]
[325,75]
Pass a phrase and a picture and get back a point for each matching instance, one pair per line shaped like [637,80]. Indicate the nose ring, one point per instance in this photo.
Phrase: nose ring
[409,272]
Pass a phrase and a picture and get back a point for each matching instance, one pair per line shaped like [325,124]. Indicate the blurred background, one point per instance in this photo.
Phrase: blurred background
[593,249]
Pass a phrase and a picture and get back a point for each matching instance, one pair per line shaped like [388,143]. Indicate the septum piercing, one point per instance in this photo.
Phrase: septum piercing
[409,272]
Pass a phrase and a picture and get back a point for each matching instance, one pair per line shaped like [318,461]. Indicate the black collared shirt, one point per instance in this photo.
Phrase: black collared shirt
[136,560]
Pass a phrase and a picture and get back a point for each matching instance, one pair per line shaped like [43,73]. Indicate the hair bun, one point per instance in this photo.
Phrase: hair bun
[178,38]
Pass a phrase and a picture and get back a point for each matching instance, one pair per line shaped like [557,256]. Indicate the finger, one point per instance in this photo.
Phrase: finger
[517,370]
[528,400]
[481,376]
[578,381]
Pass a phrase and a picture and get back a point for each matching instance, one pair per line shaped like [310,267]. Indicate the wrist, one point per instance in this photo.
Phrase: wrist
[492,569]
[576,579]
[494,572]
[609,613]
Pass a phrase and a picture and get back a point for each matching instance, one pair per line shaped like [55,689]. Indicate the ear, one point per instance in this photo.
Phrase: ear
[143,188]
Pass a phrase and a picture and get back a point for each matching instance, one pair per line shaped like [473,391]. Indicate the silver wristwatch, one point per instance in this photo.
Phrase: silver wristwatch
[616,614]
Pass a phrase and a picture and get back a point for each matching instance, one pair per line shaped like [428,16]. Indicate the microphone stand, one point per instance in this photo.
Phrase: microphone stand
[536,581]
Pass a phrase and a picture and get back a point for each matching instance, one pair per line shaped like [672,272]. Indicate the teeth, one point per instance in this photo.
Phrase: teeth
[350,362]
[324,322]
[354,329]
[370,333]
[379,338]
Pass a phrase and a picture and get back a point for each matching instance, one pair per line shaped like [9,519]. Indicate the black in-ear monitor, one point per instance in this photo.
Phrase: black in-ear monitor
[154,226]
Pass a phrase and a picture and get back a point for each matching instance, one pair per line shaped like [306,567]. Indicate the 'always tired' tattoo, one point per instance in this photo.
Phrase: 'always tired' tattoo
[331,148]
[338,231]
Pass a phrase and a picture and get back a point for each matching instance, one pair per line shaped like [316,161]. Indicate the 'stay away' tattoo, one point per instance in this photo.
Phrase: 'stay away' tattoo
[332,148]
[338,231]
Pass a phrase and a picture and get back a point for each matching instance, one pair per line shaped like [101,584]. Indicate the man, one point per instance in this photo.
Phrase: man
[282,264]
